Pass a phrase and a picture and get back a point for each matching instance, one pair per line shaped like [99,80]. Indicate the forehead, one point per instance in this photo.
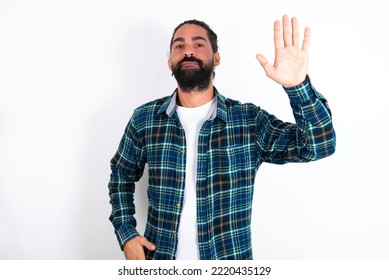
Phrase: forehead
[190,31]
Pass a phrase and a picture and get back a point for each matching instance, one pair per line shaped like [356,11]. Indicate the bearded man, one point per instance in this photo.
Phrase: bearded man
[203,150]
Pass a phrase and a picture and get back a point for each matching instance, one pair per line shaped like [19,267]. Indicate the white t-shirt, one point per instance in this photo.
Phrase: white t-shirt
[191,119]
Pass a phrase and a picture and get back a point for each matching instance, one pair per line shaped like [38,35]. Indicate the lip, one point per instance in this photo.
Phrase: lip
[189,64]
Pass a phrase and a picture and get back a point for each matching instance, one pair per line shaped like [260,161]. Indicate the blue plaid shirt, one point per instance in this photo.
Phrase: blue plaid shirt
[232,145]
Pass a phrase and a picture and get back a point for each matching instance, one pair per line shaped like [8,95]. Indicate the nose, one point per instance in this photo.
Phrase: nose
[189,52]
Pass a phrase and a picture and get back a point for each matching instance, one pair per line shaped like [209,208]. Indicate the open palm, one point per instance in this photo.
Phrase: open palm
[291,62]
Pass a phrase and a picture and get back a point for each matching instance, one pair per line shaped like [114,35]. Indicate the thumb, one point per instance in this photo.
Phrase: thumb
[265,64]
[144,242]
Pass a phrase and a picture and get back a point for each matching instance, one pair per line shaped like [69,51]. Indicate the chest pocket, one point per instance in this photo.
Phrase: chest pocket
[229,166]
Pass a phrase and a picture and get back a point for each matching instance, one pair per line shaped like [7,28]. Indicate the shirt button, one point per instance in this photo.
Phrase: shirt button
[182,178]
[178,204]
[171,257]
[174,232]
[182,151]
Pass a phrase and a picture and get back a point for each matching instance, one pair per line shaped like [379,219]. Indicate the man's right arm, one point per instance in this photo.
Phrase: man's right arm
[127,168]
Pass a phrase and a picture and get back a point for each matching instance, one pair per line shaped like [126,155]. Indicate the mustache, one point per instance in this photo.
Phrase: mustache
[190,58]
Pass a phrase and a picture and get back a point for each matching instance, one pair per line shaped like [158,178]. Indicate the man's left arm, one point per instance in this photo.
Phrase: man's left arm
[313,136]
[310,138]
[314,121]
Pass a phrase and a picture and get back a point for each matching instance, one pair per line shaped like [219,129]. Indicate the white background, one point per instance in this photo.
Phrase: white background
[72,72]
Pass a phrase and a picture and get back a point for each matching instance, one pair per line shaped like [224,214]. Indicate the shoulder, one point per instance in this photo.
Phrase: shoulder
[153,105]
[237,108]
[149,110]
[147,114]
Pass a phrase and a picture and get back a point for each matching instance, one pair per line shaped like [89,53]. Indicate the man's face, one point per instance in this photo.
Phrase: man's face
[192,60]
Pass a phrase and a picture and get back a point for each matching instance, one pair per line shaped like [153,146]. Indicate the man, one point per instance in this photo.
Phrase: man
[203,150]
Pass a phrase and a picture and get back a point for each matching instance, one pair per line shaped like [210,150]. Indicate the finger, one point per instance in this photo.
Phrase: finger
[265,64]
[144,242]
[307,39]
[287,34]
[277,35]
[295,32]
[133,250]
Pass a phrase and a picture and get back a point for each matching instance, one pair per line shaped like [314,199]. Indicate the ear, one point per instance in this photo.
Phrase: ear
[216,57]
[169,63]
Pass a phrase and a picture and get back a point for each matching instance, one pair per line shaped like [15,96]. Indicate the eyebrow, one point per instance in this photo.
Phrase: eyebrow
[195,38]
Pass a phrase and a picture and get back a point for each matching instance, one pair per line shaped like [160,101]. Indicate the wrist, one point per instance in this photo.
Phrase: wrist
[301,93]
[296,84]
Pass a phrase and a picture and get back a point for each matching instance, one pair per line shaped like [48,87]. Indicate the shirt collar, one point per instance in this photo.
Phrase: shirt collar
[169,106]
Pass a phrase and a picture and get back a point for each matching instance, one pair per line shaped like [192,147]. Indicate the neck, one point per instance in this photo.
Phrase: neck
[195,98]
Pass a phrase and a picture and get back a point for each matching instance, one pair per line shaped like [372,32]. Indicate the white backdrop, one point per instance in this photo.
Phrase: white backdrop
[72,72]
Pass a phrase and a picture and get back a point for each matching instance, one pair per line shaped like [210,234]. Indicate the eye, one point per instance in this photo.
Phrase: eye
[179,46]
[199,45]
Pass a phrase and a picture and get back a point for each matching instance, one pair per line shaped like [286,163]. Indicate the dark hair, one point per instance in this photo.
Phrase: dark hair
[211,35]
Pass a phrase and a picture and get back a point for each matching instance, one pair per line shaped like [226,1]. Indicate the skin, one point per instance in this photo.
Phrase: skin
[192,40]
[289,69]
[291,62]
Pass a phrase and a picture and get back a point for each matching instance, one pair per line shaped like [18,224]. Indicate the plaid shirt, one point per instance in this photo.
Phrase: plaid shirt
[232,145]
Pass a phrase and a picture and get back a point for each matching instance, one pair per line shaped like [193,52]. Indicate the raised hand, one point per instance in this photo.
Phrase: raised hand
[291,62]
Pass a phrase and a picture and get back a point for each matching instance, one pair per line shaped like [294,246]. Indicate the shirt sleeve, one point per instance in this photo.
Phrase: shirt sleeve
[127,167]
[312,137]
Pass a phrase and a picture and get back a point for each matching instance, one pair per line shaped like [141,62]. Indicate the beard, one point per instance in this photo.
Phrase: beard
[190,79]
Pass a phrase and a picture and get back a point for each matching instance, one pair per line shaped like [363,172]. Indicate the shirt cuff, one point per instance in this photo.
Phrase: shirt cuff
[125,233]
[301,93]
